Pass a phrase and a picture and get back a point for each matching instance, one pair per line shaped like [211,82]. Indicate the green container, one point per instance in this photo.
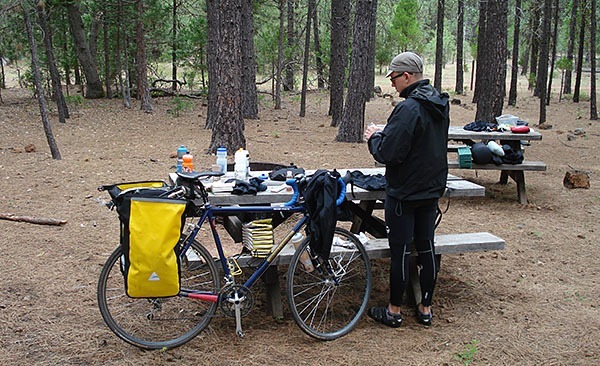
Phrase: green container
[464,157]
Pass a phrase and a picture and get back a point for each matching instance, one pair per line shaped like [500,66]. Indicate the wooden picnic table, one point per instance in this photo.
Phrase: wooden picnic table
[276,192]
[361,203]
[514,140]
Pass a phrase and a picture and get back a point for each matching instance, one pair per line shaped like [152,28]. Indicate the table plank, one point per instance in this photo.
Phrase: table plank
[459,133]
[456,187]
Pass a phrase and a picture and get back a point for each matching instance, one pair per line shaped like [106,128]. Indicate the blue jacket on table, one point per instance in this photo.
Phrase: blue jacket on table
[413,144]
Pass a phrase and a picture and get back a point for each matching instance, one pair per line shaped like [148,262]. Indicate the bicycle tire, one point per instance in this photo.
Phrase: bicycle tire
[323,308]
[159,323]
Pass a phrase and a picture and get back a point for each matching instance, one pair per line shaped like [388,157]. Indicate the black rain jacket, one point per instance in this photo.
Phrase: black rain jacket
[413,144]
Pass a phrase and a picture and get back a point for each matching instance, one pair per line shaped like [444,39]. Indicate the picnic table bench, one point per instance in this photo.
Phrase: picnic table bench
[379,248]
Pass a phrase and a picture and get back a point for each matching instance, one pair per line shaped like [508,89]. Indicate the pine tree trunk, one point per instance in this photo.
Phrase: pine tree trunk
[311,7]
[174,46]
[3,75]
[535,43]
[291,42]
[143,91]
[480,76]
[61,105]
[39,89]
[542,76]
[107,62]
[278,80]
[249,93]
[571,46]
[492,62]
[352,122]
[553,55]
[593,34]
[340,18]
[370,76]
[579,67]
[212,62]
[93,88]
[318,53]
[228,130]
[459,87]
[439,46]
[514,71]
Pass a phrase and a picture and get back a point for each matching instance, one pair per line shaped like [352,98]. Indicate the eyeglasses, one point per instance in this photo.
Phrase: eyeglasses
[397,76]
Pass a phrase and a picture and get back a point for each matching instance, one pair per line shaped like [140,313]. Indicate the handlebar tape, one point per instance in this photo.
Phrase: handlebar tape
[294,184]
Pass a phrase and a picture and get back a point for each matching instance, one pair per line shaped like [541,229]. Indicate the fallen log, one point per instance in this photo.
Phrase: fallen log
[32,220]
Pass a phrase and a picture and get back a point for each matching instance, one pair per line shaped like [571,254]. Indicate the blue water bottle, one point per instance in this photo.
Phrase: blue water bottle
[182,150]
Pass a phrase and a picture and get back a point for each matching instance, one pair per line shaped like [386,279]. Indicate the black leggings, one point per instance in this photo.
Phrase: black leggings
[409,221]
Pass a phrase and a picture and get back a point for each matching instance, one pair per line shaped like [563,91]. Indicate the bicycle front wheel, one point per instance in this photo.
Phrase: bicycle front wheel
[159,323]
[328,298]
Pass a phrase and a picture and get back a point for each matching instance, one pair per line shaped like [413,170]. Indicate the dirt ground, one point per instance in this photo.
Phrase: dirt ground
[534,302]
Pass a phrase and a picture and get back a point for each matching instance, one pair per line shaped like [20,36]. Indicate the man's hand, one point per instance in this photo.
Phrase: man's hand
[371,129]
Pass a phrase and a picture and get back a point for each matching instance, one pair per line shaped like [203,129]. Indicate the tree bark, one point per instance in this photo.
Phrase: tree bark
[212,62]
[542,76]
[291,42]
[553,55]
[492,62]
[278,80]
[39,89]
[571,46]
[480,76]
[514,71]
[579,66]
[88,63]
[123,84]
[352,123]
[535,43]
[3,75]
[142,69]
[439,46]
[107,62]
[61,105]
[593,34]
[459,87]
[174,46]
[340,18]
[228,129]
[311,8]
[370,75]
[249,94]
[318,52]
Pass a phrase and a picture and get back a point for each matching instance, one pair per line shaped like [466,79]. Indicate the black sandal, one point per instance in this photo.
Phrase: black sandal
[424,319]
[381,315]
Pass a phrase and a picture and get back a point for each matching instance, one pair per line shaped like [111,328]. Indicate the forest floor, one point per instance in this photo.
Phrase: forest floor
[535,302]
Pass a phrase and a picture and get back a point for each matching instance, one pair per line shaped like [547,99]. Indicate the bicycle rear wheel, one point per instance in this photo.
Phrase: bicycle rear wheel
[328,301]
[159,323]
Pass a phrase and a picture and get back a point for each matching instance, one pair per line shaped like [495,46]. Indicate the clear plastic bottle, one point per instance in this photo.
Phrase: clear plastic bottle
[222,158]
[241,164]
[305,260]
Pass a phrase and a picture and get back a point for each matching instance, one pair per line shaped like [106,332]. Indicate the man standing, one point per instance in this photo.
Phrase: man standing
[413,148]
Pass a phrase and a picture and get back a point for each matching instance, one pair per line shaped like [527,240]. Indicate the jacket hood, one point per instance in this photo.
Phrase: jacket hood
[423,92]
